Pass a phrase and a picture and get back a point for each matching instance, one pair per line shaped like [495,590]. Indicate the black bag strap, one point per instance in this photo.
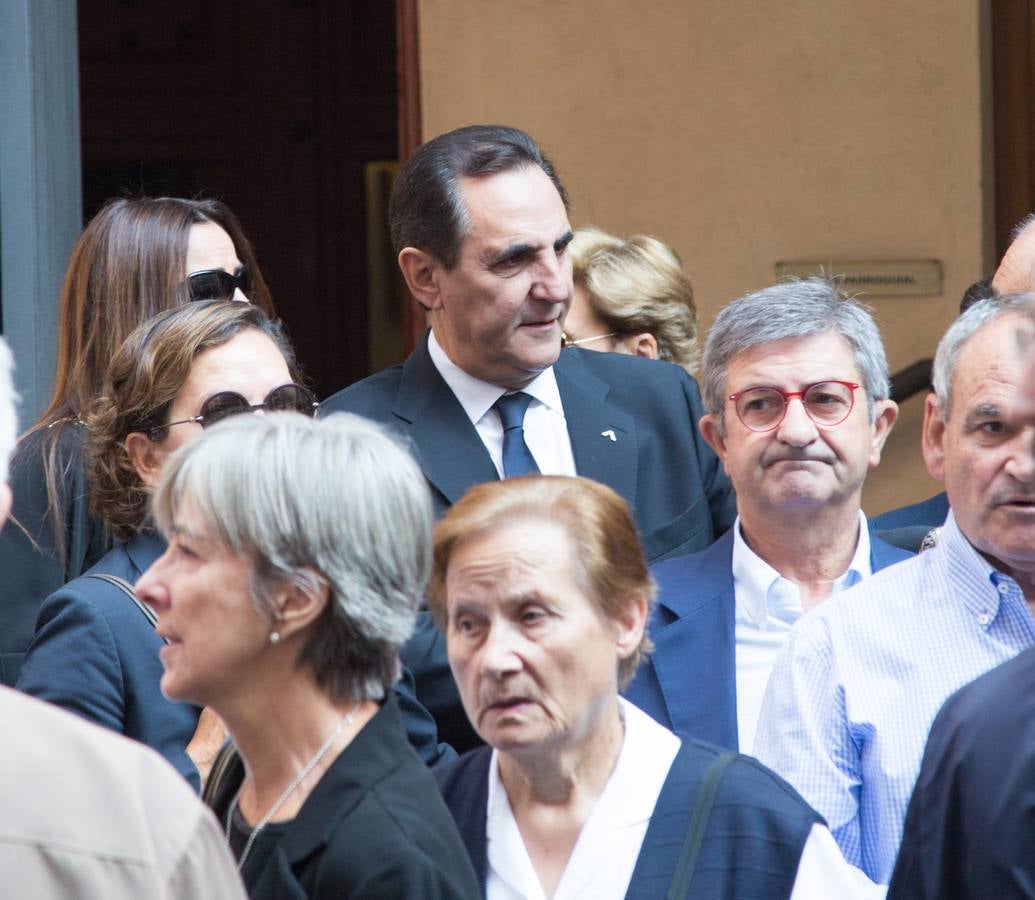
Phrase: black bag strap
[127,589]
[687,861]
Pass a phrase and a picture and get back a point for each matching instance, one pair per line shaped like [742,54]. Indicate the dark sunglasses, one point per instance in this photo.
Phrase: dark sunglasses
[218,284]
[287,397]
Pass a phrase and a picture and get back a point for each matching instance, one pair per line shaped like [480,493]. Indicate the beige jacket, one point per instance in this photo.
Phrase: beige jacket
[87,813]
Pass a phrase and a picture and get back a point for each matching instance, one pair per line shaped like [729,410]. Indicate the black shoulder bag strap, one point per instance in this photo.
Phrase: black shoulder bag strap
[687,861]
[127,589]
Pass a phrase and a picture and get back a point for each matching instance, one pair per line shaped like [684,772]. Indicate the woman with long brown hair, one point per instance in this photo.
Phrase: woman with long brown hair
[136,257]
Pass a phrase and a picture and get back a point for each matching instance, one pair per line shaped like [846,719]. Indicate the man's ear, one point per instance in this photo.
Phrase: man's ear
[300,603]
[711,430]
[146,456]
[886,414]
[643,344]
[934,438]
[418,270]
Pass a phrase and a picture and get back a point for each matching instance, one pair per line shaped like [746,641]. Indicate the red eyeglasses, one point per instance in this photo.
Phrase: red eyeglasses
[827,403]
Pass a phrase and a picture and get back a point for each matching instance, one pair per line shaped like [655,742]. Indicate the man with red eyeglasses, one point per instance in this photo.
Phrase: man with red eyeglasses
[795,388]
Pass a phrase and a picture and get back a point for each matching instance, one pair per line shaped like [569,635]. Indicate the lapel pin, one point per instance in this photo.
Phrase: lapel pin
[610,435]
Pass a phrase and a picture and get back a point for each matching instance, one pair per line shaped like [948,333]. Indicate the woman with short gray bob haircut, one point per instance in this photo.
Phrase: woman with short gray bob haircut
[299,550]
[335,502]
[793,309]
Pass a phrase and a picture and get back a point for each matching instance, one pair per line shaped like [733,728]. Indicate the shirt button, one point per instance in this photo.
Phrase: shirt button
[1003,588]
[984,619]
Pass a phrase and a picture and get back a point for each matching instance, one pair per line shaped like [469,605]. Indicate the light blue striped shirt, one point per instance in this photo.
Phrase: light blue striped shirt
[861,678]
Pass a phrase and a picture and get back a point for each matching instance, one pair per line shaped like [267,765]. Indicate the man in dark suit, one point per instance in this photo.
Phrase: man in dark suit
[479,220]
[796,390]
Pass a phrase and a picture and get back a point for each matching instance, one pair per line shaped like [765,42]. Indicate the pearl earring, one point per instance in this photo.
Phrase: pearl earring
[274,637]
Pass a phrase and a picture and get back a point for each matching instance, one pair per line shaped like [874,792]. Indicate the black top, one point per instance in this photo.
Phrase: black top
[970,827]
[374,826]
[32,569]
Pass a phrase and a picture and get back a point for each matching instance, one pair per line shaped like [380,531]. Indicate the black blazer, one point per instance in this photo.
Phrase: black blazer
[374,826]
[96,654]
[658,462]
[29,562]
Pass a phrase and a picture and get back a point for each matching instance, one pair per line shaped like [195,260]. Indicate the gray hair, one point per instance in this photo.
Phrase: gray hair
[335,502]
[8,415]
[972,320]
[794,309]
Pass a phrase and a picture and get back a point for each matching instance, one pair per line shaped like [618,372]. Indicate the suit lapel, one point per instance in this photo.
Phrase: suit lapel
[694,659]
[452,455]
[603,438]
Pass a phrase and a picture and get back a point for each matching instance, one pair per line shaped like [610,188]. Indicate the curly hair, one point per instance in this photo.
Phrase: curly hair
[142,382]
[637,284]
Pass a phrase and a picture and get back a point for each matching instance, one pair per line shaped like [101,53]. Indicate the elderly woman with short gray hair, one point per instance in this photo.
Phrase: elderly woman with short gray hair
[298,552]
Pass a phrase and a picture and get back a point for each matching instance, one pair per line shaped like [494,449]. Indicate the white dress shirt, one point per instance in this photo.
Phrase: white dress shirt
[605,854]
[767,605]
[546,430]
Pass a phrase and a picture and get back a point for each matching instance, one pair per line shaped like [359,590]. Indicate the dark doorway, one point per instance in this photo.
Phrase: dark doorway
[278,108]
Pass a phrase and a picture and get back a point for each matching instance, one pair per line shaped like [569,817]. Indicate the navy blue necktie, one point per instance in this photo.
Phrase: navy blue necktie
[517,458]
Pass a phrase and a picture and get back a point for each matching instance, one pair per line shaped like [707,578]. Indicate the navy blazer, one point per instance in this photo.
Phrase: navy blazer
[29,561]
[750,848]
[632,424]
[96,654]
[688,683]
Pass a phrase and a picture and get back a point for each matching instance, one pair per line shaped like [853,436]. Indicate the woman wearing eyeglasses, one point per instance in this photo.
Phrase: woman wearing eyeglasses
[134,259]
[95,651]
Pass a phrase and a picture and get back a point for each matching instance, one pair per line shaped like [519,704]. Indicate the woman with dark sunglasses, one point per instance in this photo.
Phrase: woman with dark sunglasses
[95,651]
[136,257]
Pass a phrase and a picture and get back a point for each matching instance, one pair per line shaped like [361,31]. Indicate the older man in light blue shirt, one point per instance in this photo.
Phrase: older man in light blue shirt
[855,688]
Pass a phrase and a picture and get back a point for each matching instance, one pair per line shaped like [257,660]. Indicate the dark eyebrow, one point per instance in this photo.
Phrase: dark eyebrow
[520,252]
[512,254]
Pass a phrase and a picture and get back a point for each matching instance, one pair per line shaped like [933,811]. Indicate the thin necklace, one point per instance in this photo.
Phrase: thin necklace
[291,788]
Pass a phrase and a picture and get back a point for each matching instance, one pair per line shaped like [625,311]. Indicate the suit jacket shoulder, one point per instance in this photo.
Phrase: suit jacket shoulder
[96,654]
[688,683]
[31,565]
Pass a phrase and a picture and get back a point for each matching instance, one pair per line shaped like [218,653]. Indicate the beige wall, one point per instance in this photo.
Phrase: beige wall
[746,133]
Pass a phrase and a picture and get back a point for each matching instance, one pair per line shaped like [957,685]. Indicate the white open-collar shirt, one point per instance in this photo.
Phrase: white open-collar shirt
[767,606]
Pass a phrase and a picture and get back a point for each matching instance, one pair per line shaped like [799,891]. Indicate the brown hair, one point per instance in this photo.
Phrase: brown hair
[143,380]
[127,265]
[610,566]
[635,285]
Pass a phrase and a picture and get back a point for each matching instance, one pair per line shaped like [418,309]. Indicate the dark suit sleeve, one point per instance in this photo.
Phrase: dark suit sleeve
[73,661]
[717,487]
[421,730]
